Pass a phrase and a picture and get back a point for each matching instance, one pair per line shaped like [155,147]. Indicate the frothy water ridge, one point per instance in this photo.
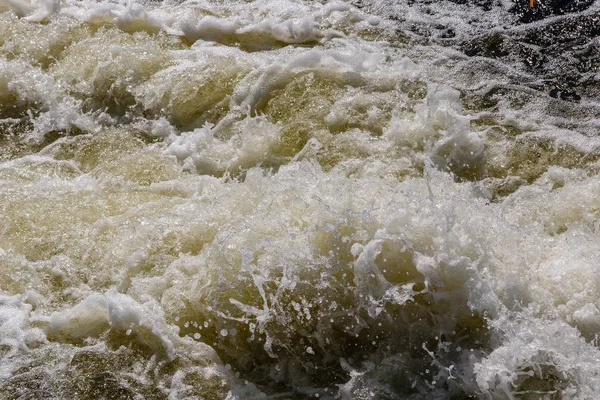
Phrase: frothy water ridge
[292,199]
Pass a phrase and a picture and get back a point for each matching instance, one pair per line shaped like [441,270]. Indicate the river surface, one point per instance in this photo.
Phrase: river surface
[294,199]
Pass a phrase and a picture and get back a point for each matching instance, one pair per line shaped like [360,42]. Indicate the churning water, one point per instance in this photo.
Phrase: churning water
[386,199]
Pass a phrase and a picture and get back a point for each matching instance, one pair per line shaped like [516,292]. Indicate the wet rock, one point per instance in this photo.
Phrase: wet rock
[485,4]
[564,94]
[566,30]
[547,8]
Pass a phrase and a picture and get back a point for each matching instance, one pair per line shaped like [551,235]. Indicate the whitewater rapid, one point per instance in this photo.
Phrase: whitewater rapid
[294,199]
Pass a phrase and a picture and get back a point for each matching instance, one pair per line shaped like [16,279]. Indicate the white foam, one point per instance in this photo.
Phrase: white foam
[91,317]
[551,352]
[15,332]
[136,18]
[297,180]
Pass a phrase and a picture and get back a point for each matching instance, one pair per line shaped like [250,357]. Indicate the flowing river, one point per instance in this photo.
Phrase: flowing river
[295,199]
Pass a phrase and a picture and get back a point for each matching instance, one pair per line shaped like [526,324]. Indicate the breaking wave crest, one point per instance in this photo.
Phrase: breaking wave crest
[294,199]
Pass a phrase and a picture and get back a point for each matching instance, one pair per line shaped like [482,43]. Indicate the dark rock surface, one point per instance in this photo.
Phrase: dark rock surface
[546,8]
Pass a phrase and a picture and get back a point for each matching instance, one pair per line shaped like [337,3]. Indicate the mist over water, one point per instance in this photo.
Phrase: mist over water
[295,199]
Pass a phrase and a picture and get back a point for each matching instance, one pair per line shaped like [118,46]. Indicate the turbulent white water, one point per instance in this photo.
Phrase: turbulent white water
[210,199]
